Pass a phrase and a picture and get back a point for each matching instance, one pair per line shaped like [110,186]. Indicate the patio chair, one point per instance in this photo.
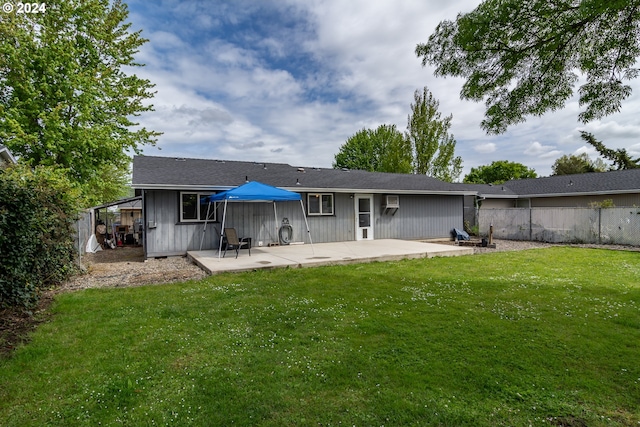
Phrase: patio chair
[233,242]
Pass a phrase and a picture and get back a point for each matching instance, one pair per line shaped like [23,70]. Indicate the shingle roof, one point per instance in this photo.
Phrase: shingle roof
[178,173]
[489,189]
[623,181]
[169,172]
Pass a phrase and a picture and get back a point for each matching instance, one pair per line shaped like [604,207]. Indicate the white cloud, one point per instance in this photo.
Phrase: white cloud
[613,129]
[536,149]
[486,148]
[542,151]
[591,152]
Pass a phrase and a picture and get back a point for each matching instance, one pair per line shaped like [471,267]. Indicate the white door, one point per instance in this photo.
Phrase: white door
[364,216]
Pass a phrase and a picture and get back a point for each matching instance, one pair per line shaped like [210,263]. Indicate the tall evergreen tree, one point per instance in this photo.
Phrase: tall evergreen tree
[619,157]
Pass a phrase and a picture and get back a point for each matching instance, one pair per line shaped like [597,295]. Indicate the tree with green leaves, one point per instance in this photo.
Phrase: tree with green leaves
[498,172]
[620,158]
[428,133]
[574,164]
[381,150]
[525,57]
[66,98]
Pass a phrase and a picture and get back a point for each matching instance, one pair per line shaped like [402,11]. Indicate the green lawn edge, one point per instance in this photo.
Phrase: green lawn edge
[538,337]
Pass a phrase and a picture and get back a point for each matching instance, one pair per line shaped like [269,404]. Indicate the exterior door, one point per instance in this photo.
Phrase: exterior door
[364,216]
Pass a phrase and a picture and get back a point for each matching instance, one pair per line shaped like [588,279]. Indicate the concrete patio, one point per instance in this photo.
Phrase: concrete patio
[322,254]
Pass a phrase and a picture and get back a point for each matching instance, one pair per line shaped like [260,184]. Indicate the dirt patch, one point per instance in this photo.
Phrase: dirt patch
[16,325]
[117,255]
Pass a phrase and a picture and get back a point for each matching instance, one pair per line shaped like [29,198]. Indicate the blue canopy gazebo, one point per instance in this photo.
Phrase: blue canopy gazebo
[253,192]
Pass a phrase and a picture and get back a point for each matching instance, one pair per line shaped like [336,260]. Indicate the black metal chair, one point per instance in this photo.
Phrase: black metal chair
[233,242]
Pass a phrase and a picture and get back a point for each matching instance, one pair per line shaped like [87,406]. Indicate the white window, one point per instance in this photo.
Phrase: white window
[193,207]
[319,204]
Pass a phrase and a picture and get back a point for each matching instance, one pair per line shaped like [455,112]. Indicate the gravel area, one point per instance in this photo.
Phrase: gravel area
[122,267]
[125,266]
[510,245]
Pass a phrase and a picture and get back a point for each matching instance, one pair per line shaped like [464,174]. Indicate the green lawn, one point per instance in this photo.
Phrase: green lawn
[540,337]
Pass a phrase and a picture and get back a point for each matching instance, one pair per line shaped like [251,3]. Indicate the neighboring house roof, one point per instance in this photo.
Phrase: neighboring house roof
[6,155]
[492,190]
[586,184]
[151,172]
[614,182]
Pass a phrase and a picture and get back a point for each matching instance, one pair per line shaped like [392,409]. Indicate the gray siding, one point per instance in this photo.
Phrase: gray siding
[338,227]
[419,217]
[169,237]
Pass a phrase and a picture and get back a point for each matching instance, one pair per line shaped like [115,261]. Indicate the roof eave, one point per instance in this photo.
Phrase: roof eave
[301,189]
[577,194]
[190,187]
[117,202]
[377,191]
[498,196]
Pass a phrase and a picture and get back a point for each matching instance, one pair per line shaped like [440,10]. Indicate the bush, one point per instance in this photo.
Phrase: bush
[37,212]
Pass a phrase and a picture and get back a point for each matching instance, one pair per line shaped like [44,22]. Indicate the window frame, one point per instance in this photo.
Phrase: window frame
[213,215]
[320,196]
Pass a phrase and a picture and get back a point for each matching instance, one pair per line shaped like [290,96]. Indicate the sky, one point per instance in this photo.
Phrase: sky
[289,81]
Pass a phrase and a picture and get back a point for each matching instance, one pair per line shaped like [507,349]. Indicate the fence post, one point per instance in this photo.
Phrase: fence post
[599,226]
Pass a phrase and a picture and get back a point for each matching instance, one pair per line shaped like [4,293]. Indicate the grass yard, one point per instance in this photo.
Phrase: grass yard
[541,337]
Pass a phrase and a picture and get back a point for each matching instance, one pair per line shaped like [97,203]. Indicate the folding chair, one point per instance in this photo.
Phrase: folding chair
[233,242]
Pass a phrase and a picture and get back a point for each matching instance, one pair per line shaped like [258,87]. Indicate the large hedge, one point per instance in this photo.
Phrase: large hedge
[38,208]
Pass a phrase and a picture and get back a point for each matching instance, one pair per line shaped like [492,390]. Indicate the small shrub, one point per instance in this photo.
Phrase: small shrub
[606,203]
[37,211]
[473,230]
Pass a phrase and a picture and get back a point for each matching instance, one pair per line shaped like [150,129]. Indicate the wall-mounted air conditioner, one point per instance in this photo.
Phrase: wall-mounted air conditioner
[392,202]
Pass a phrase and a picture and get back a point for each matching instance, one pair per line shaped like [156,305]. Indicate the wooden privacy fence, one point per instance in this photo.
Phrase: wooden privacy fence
[564,225]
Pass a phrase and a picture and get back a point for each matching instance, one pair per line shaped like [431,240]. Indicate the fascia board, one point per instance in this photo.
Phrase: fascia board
[377,191]
[182,187]
[584,193]
[303,189]
[498,196]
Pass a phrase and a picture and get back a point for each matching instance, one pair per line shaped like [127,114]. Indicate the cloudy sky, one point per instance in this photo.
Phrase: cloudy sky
[290,80]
